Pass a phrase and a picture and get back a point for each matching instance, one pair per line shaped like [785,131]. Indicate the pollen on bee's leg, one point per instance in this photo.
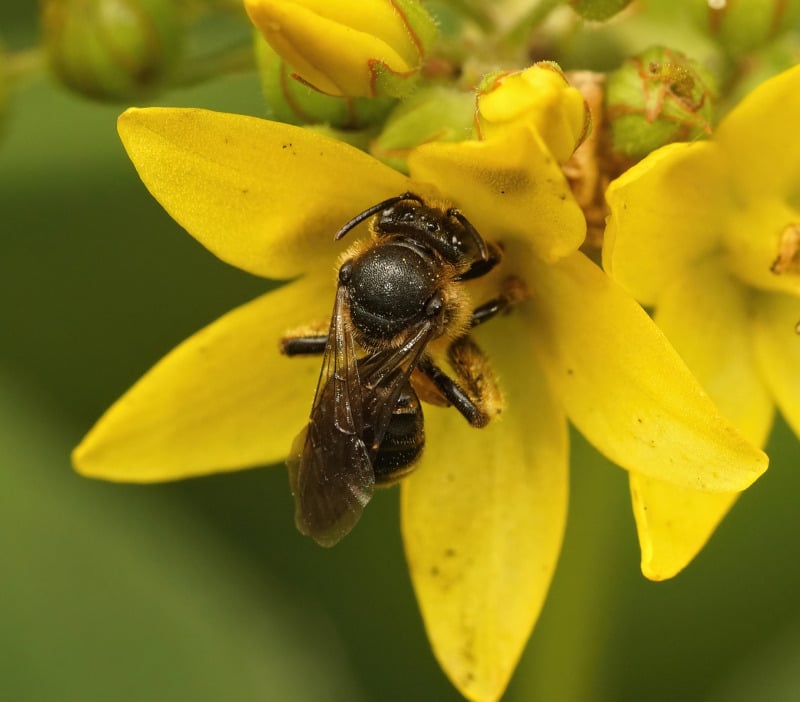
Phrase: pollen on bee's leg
[475,373]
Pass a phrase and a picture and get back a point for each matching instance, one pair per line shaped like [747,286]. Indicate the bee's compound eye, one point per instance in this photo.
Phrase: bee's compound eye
[346,271]
[434,305]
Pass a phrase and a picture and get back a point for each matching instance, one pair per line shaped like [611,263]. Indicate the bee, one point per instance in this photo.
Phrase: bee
[397,292]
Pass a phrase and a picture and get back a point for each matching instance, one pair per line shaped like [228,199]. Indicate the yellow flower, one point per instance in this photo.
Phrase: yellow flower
[370,48]
[708,234]
[483,515]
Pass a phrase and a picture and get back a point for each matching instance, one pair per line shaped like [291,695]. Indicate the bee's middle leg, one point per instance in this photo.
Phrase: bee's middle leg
[512,292]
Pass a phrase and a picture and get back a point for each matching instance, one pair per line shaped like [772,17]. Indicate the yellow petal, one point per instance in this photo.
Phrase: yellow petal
[666,212]
[704,311]
[222,400]
[509,186]
[777,337]
[625,387]
[673,523]
[483,519]
[760,139]
[263,196]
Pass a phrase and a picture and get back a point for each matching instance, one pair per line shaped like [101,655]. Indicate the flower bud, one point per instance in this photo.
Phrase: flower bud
[370,48]
[432,114]
[598,10]
[744,25]
[292,101]
[539,96]
[111,49]
[656,98]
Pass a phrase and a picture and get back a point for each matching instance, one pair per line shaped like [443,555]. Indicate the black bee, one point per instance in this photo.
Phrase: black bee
[397,292]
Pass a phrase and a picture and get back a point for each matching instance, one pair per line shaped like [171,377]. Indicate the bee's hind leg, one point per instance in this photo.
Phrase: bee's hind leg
[474,391]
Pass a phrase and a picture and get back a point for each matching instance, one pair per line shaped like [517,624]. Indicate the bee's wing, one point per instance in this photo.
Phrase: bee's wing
[330,471]
[331,465]
[384,375]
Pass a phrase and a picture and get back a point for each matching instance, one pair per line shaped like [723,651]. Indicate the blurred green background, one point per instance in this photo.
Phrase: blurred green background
[203,590]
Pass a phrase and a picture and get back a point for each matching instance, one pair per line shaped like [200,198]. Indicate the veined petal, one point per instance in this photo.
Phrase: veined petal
[224,399]
[760,139]
[722,357]
[264,196]
[673,523]
[666,212]
[777,342]
[625,387]
[483,519]
[509,185]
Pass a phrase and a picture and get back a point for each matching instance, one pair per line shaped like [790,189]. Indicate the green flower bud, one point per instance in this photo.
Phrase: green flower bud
[744,25]
[656,98]
[293,101]
[432,114]
[598,10]
[111,49]
[369,48]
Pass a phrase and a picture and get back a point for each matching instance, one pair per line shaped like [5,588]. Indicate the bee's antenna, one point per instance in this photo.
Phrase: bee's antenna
[366,214]
[464,222]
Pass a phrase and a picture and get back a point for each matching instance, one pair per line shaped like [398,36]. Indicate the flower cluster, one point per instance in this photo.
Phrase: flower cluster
[706,233]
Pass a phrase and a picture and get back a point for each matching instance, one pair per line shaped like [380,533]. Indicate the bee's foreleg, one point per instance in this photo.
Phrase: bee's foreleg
[308,341]
[514,291]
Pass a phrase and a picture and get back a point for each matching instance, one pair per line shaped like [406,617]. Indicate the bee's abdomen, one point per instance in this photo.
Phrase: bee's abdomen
[403,441]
